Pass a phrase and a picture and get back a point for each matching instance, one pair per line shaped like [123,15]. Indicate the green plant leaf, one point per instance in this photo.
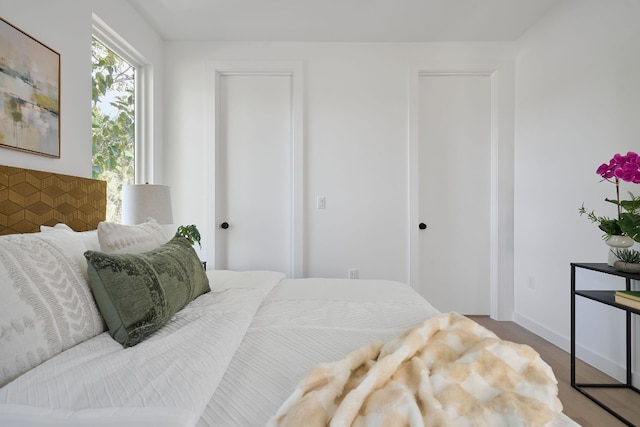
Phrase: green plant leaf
[191,233]
[630,225]
[610,226]
[627,255]
[630,205]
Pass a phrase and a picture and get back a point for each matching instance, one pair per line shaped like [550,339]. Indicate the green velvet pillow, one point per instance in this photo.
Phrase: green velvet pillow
[138,293]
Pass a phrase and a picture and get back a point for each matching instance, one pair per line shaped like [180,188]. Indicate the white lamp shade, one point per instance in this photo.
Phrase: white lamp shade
[142,201]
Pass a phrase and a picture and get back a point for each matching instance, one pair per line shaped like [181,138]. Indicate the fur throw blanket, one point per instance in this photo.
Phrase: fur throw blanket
[448,371]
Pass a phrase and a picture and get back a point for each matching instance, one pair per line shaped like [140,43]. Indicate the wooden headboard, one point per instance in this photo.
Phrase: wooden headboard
[29,199]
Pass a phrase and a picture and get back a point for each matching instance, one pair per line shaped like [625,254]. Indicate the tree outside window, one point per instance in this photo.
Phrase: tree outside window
[113,124]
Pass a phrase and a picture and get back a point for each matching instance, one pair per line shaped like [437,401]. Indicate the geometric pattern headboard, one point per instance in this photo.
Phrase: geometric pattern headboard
[29,199]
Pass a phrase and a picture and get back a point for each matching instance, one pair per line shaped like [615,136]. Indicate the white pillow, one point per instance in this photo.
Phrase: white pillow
[46,305]
[88,238]
[131,239]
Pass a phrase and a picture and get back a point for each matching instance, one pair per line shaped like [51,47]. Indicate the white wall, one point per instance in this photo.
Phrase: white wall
[577,104]
[65,26]
[356,141]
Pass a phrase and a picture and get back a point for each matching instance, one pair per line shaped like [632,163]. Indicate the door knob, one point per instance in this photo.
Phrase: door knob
[422,226]
[224,225]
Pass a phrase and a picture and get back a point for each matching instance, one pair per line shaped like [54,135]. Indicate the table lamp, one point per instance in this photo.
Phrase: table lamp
[142,201]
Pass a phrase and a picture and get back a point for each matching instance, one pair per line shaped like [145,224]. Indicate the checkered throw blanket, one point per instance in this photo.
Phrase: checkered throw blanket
[448,371]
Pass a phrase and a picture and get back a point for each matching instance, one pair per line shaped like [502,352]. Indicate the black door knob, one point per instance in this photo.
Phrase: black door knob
[224,225]
[422,226]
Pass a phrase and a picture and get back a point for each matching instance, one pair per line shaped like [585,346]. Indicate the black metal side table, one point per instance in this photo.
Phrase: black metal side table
[605,297]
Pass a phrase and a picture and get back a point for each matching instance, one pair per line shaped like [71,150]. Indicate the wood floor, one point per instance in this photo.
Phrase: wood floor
[578,407]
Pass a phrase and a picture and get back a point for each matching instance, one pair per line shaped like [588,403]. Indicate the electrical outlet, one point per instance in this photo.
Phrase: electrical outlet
[353,273]
[532,282]
[321,202]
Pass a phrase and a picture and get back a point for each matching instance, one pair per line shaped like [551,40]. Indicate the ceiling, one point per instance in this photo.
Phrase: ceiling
[343,20]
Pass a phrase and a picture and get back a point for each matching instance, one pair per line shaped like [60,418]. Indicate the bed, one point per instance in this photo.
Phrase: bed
[247,348]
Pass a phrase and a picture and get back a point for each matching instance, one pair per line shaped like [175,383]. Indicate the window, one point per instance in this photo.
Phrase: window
[113,123]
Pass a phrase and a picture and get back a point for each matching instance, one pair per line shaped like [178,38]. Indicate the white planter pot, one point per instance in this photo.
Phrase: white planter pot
[617,242]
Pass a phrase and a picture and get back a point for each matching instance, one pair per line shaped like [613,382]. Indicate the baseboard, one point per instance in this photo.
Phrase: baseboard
[588,355]
[543,332]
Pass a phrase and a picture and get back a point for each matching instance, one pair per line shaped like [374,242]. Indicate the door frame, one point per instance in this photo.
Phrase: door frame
[293,69]
[501,177]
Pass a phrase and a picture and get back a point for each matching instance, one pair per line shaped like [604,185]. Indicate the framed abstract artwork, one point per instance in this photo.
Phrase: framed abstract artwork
[29,93]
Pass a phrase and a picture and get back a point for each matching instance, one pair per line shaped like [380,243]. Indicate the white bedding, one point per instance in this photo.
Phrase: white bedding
[258,335]
[174,371]
[300,324]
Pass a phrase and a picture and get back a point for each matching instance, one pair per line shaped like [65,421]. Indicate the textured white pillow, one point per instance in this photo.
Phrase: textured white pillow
[89,238]
[130,239]
[46,305]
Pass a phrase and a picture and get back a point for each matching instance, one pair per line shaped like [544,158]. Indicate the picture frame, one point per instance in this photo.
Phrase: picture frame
[29,93]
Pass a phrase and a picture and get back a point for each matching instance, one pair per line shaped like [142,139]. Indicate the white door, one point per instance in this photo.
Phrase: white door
[454,145]
[253,204]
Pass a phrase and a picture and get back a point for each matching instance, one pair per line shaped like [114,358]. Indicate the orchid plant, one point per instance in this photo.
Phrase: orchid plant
[620,168]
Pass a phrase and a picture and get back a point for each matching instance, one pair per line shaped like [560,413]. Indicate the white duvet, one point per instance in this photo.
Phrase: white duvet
[300,324]
[256,337]
[167,380]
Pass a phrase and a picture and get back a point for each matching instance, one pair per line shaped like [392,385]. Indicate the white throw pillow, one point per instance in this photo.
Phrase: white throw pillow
[89,238]
[131,239]
[46,305]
